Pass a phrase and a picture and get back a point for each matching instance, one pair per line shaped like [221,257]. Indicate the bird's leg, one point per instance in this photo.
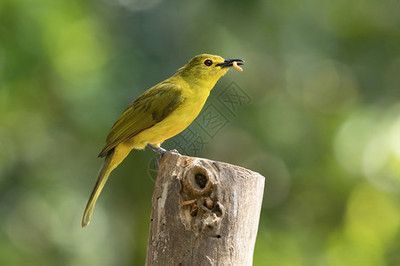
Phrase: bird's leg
[157,149]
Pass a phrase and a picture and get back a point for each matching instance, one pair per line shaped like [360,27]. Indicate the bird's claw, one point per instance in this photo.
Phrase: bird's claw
[161,151]
[157,149]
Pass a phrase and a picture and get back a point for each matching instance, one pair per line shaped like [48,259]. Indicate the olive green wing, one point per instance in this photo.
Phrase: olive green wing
[146,111]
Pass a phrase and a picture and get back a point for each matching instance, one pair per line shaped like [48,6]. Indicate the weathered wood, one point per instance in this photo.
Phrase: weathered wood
[203,213]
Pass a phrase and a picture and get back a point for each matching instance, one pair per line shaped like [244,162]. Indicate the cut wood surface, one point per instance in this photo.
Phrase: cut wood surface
[203,213]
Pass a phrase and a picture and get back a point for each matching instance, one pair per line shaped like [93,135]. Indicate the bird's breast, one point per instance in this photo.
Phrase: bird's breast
[175,122]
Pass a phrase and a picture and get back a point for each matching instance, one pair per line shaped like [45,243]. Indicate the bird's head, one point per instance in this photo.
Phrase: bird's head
[207,68]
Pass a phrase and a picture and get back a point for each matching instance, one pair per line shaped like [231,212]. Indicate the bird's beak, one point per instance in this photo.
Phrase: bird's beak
[229,62]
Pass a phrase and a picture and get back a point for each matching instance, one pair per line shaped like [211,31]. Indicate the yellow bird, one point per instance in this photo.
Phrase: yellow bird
[158,114]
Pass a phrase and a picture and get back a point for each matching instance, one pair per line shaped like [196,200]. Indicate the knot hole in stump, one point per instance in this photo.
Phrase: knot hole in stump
[201,207]
[201,180]
[198,181]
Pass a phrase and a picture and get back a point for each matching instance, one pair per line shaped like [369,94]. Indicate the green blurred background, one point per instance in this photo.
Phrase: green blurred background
[323,124]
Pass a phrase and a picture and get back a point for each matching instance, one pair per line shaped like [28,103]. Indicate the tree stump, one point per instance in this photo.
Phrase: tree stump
[203,213]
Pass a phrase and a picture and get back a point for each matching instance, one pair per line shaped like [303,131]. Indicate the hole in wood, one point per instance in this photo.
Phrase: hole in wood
[197,181]
[201,180]
[217,210]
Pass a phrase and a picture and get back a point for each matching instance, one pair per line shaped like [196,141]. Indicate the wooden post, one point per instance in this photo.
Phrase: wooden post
[203,213]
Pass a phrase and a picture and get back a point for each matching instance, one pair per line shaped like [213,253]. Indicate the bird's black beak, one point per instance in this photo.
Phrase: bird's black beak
[229,62]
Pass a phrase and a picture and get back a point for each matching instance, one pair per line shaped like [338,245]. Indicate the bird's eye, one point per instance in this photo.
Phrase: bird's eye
[208,62]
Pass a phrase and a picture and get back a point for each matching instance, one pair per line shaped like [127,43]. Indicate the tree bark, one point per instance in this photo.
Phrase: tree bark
[203,213]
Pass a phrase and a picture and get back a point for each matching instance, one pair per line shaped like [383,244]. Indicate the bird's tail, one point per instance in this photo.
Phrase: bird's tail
[105,171]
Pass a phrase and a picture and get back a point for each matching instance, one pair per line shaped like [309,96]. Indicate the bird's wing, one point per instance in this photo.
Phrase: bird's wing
[146,111]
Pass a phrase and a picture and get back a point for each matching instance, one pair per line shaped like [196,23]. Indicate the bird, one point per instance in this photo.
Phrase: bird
[160,113]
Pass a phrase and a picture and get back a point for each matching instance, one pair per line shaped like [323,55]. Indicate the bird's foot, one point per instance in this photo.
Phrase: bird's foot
[161,151]
[157,149]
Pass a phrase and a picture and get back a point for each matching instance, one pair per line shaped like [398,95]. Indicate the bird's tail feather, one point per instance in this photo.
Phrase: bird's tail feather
[105,171]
